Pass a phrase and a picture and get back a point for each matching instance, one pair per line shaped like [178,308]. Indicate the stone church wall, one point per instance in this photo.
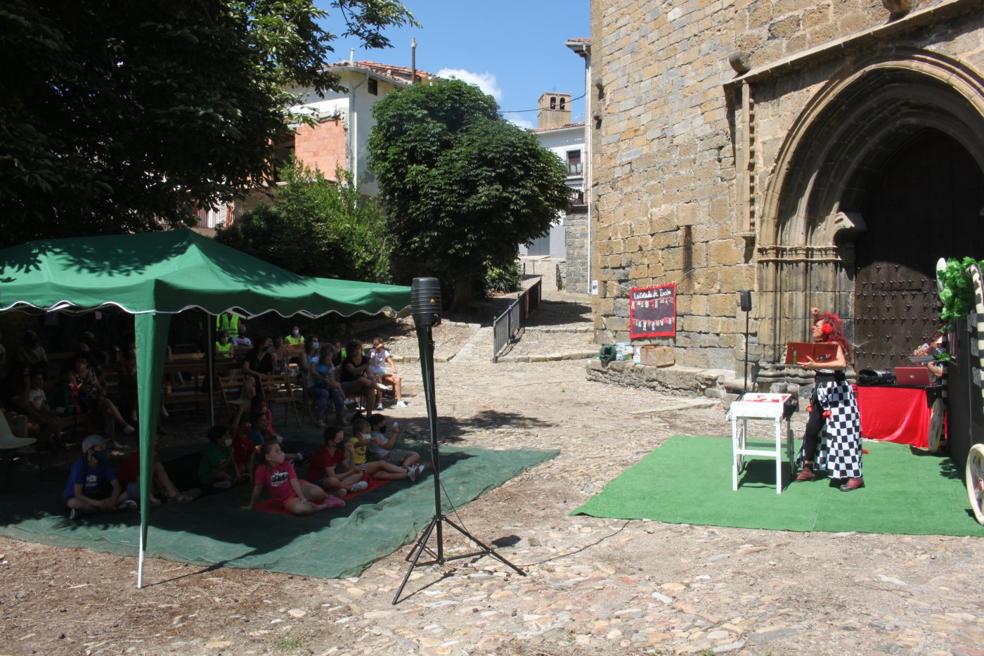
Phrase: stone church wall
[682,160]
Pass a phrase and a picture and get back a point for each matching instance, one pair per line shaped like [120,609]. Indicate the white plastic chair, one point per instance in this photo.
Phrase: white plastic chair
[8,440]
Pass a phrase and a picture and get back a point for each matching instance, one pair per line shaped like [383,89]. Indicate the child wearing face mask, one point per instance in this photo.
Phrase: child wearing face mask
[218,469]
[278,477]
[92,486]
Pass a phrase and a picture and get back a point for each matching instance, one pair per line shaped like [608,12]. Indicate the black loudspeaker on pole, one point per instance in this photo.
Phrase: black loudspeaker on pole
[745,303]
[425,307]
[425,302]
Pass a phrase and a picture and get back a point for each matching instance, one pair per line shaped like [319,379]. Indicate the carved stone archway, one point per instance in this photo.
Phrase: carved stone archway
[837,145]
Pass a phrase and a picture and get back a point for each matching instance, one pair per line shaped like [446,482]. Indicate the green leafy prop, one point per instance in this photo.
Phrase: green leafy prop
[957,293]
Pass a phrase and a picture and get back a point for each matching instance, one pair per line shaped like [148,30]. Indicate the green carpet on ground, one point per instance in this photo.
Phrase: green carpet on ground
[214,530]
[687,480]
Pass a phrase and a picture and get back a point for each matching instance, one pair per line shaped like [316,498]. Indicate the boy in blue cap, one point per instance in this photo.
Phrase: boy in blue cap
[92,484]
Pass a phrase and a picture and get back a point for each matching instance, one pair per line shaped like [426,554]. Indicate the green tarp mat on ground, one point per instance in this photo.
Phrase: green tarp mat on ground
[214,530]
[687,480]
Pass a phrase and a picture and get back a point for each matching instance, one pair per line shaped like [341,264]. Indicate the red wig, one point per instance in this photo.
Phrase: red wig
[832,330]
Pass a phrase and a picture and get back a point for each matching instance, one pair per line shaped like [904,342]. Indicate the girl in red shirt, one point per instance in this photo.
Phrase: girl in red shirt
[277,475]
[330,468]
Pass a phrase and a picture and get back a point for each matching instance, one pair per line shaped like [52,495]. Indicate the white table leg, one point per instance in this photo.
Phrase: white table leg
[778,430]
[734,454]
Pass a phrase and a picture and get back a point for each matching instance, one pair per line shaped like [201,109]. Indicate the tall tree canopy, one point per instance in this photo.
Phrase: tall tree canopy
[119,116]
[462,187]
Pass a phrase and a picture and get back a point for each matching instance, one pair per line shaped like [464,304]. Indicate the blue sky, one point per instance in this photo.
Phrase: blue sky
[514,50]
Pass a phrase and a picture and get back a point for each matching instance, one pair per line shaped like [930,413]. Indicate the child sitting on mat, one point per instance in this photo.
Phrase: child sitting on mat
[328,468]
[258,406]
[262,433]
[92,485]
[378,468]
[382,445]
[278,477]
[128,475]
[218,469]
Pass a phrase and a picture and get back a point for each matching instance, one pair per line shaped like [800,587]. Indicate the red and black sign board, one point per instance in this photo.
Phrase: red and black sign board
[652,311]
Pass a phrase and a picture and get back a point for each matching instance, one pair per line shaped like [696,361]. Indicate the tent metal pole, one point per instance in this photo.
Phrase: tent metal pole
[211,368]
[151,338]
[140,561]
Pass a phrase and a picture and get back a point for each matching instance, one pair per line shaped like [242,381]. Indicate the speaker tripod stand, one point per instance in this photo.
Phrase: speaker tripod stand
[435,527]
[425,293]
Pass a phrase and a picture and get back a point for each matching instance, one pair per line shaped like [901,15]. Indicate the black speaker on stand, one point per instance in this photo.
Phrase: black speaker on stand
[425,306]
[745,304]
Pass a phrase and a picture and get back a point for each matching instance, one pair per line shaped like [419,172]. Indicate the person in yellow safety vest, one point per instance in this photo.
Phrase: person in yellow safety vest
[228,322]
[223,346]
[295,338]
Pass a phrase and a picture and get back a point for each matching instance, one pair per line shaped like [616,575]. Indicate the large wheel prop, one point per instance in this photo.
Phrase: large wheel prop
[975,480]
[975,458]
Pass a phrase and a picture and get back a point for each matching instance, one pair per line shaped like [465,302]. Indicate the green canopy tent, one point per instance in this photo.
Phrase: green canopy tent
[156,274]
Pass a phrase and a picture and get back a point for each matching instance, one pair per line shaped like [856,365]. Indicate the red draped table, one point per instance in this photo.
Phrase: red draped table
[897,414]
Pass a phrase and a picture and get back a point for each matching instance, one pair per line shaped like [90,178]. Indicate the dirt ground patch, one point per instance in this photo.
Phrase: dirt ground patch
[592,584]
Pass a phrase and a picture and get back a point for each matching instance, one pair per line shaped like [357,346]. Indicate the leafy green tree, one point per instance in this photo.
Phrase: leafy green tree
[461,186]
[316,227]
[128,116]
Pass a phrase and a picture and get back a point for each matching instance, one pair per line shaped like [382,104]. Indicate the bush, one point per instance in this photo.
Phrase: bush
[316,227]
[502,279]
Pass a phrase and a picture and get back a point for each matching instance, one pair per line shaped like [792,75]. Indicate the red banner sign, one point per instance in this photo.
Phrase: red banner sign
[652,311]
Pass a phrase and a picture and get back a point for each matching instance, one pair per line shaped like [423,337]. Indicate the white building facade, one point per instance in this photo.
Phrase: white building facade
[568,239]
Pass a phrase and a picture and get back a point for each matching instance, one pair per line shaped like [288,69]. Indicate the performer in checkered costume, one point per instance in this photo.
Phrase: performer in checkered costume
[832,440]
[839,452]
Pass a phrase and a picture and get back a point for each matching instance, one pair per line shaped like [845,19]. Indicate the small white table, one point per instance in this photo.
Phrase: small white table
[764,407]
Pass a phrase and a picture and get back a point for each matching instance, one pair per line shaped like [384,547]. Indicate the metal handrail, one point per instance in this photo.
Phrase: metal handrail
[508,327]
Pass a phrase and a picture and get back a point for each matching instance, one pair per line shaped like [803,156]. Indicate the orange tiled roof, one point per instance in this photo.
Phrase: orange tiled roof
[401,73]
[562,127]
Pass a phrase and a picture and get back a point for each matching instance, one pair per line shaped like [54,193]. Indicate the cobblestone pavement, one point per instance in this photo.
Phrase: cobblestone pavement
[633,587]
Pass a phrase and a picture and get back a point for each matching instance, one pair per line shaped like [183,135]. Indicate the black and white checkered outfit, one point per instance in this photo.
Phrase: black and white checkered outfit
[839,450]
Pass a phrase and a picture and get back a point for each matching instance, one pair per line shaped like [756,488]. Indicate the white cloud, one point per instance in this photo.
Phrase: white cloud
[520,120]
[484,81]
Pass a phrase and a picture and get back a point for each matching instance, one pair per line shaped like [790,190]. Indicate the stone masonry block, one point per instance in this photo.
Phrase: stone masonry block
[618,324]
[723,253]
[686,214]
[720,209]
[721,305]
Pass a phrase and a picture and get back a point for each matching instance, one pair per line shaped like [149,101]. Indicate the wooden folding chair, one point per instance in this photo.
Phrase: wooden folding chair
[278,388]
[232,389]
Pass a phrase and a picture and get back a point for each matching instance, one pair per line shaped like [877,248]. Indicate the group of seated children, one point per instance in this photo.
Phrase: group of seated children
[94,487]
[340,466]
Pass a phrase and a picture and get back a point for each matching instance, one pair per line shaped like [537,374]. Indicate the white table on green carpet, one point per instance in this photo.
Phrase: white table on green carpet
[759,407]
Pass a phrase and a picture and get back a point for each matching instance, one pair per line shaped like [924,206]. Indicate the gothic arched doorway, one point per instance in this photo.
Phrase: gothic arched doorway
[924,202]
[883,168]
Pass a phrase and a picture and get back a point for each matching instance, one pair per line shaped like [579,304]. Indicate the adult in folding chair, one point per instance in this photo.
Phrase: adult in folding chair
[834,411]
